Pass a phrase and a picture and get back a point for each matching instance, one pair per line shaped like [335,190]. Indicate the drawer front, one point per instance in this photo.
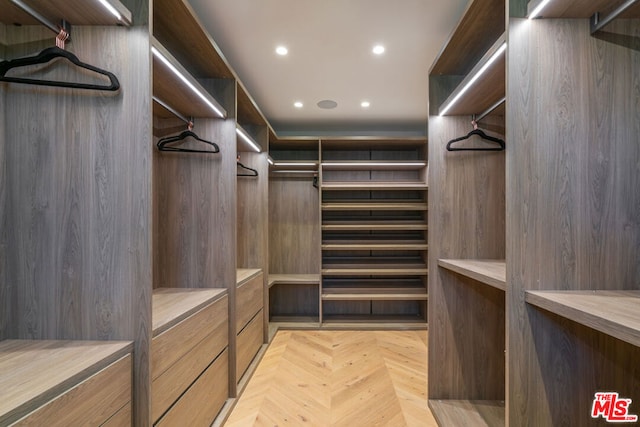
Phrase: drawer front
[168,387]
[122,418]
[173,344]
[92,402]
[200,405]
[248,344]
[249,297]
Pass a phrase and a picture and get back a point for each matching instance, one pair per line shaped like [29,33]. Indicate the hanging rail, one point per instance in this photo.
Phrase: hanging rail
[172,110]
[44,21]
[489,110]
[597,24]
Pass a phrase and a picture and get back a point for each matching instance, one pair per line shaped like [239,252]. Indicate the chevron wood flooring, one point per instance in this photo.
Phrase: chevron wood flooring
[338,378]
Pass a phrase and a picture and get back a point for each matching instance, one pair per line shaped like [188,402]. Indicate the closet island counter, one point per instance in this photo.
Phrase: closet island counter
[70,381]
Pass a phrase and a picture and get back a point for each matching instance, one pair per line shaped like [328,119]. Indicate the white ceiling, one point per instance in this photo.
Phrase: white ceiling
[330,57]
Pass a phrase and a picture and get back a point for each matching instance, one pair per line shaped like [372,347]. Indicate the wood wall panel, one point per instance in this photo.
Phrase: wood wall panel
[195,212]
[7,292]
[573,208]
[294,226]
[253,212]
[467,214]
[77,205]
[294,300]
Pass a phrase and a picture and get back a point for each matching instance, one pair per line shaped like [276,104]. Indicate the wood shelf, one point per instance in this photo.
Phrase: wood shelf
[374,206]
[177,27]
[374,321]
[374,226]
[32,372]
[370,270]
[77,12]
[374,186]
[468,412]
[172,305]
[490,272]
[374,165]
[355,245]
[245,274]
[482,22]
[486,91]
[582,8]
[169,88]
[347,294]
[284,165]
[615,313]
[293,279]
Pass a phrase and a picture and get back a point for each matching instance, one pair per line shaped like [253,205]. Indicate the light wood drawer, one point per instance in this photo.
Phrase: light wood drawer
[122,418]
[248,343]
[171,345]
[91,402]
[204,399]
[249,300]
[174,381]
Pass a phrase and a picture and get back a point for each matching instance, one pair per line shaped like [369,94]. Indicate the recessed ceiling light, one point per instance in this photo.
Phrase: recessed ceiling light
[365,104]
[282,51]
[378,49]
[298,104]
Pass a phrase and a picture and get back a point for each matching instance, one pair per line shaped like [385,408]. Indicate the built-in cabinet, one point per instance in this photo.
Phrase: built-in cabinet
[348,231]
[534,286]
[122,242]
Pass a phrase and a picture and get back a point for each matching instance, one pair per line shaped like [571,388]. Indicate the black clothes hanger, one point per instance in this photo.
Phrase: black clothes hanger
[482,135]
[163,143]
[50,54]
[252,172]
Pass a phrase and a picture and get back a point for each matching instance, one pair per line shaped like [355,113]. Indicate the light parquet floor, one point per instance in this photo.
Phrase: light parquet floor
[338,378]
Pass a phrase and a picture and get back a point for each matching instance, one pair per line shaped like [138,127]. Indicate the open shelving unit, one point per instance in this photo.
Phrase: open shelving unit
[374,231]
[467,282]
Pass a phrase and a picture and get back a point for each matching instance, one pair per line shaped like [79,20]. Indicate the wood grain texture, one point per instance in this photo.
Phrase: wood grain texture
[582,8]
[173,305]
[78,199]
[479,413]
[338,378]
[91,402]
[178,28]
[467,220]
[615,313]
[293,279]
[245,274]
[253,212]
[249,341]
[573,210]
[249,300]
[294,227]
[35,371]
[480,25]
[204,399]
[491,272]
[171,345]
[77,12]
[172,383]
[195,213]
[122,418]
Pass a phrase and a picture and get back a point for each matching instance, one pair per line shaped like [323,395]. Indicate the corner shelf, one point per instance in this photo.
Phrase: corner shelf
[614,313]
[293,279]
[490,272]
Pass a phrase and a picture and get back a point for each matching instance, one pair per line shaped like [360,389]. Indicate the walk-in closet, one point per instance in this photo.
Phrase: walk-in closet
[180,246]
